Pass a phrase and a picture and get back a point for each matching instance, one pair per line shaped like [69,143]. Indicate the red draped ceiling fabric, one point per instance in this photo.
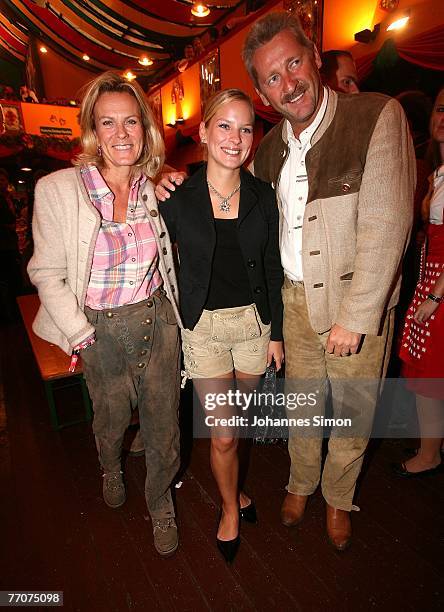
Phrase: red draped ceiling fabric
[425,50]
[266,112]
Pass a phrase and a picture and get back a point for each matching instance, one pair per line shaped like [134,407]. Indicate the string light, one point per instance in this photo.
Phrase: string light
[145,61]
[200,10]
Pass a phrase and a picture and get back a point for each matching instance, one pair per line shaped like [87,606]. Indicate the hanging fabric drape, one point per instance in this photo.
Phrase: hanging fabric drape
[425,50]
[266,112]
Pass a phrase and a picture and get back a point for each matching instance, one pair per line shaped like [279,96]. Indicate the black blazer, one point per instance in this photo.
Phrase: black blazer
[188,215]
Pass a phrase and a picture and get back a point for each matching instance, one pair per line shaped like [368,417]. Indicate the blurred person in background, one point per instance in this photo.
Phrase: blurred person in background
[338,71]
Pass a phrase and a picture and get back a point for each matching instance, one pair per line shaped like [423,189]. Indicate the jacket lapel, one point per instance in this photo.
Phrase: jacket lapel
[248,196]
[199,197]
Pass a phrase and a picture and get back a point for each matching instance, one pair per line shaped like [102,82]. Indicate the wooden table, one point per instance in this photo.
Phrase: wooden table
[53,365]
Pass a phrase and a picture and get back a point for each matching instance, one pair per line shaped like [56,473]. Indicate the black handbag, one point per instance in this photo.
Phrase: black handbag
[265,432]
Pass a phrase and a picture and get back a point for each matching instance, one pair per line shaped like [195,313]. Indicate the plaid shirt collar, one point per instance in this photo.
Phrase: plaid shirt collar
[97,187]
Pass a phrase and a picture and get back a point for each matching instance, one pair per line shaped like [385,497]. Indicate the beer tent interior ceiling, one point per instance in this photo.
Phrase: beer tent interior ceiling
[114,34]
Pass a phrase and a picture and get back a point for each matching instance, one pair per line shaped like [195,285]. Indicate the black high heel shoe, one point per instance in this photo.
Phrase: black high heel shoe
[249,513]
[228,548]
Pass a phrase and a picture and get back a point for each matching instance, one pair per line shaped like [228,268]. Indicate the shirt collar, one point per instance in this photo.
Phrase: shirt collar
[439,172]
[100,189]
[307,134]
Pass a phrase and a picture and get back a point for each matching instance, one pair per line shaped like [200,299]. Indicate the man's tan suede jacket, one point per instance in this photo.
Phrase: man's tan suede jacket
[65,228]
[361,175]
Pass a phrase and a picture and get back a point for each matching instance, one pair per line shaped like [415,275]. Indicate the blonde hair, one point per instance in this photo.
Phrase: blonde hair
[223,97]
[153,153]
[264,30]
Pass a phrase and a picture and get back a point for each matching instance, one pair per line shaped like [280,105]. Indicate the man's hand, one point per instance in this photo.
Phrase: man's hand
[168,182]
[276,352]
[342,342]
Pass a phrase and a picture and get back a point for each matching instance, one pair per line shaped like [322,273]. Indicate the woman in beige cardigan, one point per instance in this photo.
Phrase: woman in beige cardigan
[105,275]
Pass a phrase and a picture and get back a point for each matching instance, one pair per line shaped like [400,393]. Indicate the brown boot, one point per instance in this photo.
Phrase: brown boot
[293,508]
[339,529]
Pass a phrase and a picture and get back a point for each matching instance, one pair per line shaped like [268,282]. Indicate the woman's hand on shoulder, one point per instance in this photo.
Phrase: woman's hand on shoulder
[276,352]
[168,182]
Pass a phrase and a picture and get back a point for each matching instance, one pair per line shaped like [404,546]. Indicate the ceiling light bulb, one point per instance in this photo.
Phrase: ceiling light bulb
[200,10]
[43,49]
[129,76]
[145,61]
[86,57]
[398,24]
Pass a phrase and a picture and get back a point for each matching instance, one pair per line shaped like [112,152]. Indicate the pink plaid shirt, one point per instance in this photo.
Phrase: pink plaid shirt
[125,263]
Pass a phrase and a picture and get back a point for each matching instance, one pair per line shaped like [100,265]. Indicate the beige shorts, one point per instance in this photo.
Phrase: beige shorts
[225,340]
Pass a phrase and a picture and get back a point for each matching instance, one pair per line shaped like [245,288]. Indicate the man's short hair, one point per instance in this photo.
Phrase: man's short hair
[330,63]
[267,28]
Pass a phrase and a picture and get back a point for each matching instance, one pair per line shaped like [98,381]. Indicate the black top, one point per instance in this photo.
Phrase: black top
[229,285]
[189,217]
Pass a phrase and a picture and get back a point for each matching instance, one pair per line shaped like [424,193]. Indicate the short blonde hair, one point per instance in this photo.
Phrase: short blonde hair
[264,30]
[153,153]
[223,97]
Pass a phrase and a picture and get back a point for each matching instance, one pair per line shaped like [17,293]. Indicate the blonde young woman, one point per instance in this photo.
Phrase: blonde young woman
[225,223]
[105,275]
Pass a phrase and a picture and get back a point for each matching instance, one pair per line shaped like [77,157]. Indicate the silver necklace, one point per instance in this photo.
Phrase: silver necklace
[224,204]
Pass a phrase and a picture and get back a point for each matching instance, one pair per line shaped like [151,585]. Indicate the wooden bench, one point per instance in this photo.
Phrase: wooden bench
[53,364]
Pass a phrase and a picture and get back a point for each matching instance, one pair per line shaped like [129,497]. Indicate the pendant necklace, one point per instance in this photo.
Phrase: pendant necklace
[224,204]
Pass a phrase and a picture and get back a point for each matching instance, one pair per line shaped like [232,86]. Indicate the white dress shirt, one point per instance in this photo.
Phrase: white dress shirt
[293,193]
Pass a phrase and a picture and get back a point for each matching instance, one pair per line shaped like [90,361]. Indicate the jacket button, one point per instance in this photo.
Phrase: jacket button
[164,251]
[144,352]
[258,289]
[173,289]
[146,338]
[346,187]
[148,321]
[251,263]
[145,198]
[141,365]
[153,213]
[162,235]
[110,315]
[150,303]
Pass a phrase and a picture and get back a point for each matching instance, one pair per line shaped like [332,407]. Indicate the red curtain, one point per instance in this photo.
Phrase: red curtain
[364,65]
[425,49]
[266,112]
